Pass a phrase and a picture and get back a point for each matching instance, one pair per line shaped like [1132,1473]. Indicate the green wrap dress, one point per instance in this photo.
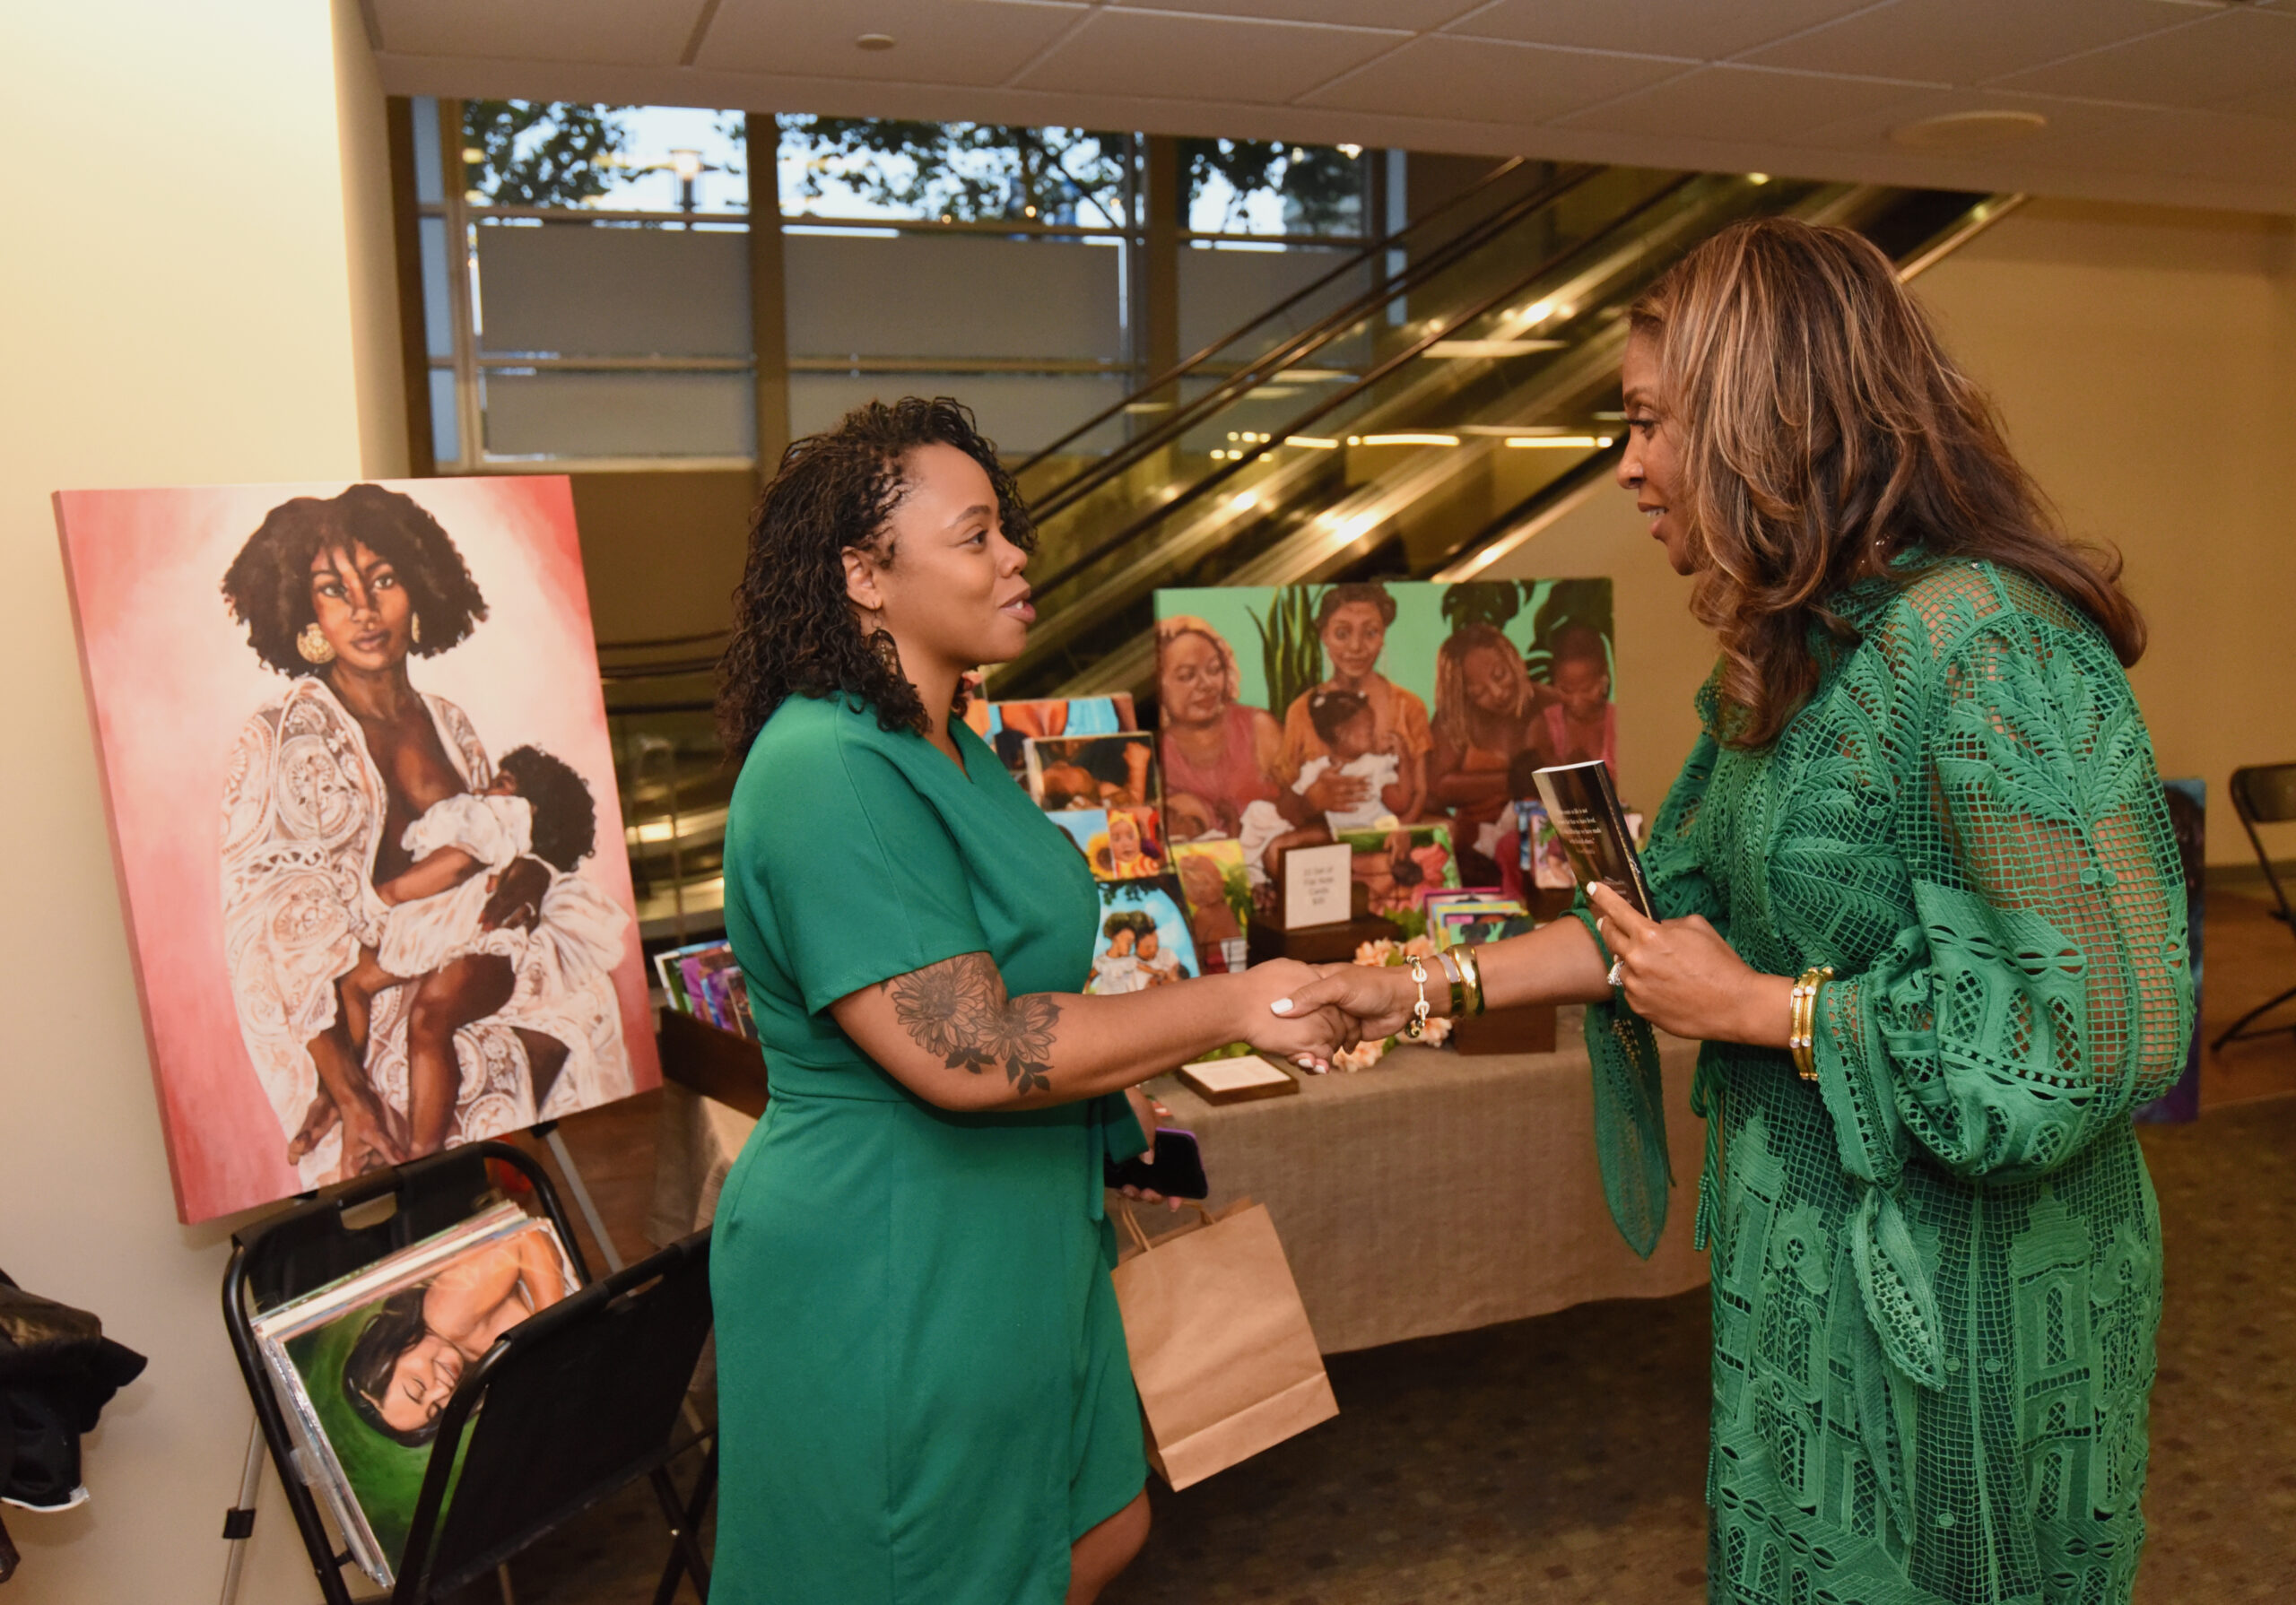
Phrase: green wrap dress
[1936,1271]
[924,1392]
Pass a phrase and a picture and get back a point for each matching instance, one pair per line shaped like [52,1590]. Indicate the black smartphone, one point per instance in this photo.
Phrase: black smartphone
[1178,1172]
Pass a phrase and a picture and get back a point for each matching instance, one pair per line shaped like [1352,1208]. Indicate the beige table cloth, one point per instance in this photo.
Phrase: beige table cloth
[697,1143]
[1437,1192]
[1432,1192]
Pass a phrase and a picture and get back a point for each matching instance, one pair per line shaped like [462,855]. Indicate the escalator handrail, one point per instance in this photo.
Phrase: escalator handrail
[1384,242]
[1279,359]
[1403,357]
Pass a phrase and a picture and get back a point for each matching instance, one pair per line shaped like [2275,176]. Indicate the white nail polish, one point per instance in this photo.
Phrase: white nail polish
[1280,1006]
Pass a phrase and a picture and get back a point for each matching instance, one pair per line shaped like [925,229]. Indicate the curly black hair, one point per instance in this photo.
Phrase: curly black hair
[389,1332]
[566,818]
[268,584]
[1329,712]
[794,631]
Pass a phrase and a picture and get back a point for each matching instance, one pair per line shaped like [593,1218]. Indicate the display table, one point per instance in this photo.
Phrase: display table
[1433,1193]
[1437,1192]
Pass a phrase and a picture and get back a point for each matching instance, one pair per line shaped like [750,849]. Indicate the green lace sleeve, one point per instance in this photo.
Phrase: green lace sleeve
[2042,986]
[1629,1093]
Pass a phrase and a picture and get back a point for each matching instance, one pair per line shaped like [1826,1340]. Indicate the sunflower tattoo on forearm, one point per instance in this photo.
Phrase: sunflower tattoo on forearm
[958,1010]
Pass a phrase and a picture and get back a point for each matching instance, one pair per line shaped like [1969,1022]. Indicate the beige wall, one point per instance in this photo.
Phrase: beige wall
[2144,360]
[377,368]
[179,307]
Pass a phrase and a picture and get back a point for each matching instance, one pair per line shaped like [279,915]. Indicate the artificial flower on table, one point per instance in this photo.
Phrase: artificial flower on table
[1389,951]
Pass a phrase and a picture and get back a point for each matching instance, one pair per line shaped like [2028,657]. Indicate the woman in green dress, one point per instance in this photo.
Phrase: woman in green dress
[924,1392]
[1924,789]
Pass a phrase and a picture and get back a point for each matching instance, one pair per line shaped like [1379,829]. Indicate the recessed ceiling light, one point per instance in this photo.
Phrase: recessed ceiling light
[875,41]
[1958,131]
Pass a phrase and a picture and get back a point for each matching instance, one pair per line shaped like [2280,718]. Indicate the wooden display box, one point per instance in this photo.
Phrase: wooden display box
[715,1064]
[1529,1028]
[1317,944]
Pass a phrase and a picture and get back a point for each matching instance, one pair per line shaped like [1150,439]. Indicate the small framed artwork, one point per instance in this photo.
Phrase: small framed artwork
[1007,727]
[1117,770]
[1219,896]
[1143,939]
[364,1366]
[1396,865]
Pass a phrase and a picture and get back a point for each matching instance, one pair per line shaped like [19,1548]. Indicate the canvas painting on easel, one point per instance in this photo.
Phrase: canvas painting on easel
[364,818]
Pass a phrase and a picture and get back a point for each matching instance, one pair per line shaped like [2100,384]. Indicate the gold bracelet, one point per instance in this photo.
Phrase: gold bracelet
[1458,981]
[1801,1020]
[1471,973]
[1417,1027]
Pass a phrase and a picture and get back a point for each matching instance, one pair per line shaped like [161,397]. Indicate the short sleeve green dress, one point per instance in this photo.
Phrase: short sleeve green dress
[924,1392]
[1936,1269]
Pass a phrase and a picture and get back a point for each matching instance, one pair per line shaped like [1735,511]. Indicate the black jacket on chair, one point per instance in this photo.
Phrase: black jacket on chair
[57,1371]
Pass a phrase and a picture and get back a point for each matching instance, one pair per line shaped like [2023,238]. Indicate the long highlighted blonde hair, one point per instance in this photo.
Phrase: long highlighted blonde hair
[1823,432]
[1453,711]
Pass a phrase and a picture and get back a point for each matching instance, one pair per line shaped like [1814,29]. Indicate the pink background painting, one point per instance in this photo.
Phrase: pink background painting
[172,680]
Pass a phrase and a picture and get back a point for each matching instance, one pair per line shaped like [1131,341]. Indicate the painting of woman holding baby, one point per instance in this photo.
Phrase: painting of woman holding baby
[414,958]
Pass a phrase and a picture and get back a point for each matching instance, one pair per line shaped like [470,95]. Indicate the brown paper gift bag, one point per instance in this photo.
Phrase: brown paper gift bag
[1222,1352]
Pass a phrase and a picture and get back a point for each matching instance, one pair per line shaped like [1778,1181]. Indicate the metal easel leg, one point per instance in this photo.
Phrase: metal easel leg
[238,1522]
[582,1200]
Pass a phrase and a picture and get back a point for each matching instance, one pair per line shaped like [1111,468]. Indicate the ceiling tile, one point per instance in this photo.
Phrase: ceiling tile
[1486,81]
[1741,104]
[1968,41]
[969,42]
[2224,56]
[611,32]
[1202,58]
[1412,14]
[1702,29]
[2276,101]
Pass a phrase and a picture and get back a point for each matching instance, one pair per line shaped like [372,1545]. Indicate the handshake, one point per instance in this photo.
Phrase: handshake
[1308,1012]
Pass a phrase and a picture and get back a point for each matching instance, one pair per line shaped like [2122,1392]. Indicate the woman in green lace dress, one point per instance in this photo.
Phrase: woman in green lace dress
[1936,1256]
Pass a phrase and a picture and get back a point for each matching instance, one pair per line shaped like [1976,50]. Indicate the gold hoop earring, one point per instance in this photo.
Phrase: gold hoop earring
[415,629]
[313,647]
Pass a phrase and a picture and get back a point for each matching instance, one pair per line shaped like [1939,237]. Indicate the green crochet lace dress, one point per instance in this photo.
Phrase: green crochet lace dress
[1936,1271]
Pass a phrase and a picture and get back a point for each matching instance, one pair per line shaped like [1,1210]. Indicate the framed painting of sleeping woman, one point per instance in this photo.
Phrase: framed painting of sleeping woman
[363,813]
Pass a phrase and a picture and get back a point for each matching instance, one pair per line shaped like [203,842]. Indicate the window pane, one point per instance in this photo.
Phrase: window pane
[1259,187]
[563,415]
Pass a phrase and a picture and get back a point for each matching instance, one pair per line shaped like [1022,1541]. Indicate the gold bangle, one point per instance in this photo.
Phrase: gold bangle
[1801,1020]
[1471,974]
[1457,981]
[1417,1027]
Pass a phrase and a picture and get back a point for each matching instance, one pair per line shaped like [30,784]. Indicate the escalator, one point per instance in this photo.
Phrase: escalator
[1460,401]
[1416,412]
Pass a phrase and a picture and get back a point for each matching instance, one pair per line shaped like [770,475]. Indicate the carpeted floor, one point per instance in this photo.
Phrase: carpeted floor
[1562,1459]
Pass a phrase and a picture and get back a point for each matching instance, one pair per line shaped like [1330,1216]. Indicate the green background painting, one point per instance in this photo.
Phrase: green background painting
[384,1476]
[1271,628]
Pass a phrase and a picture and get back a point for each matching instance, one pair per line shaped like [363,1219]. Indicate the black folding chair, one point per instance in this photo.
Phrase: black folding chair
[579,1400]
[2264,795]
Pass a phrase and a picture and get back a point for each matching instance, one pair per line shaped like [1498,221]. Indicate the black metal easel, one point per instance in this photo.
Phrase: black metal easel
[579,1400]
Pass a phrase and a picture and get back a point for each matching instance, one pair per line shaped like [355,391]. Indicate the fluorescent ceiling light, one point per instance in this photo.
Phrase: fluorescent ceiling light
[1579,442]
[1405,438]
[1312,442]
[1962,131]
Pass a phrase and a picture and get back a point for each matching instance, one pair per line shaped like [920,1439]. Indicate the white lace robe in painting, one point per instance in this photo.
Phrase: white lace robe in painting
[303,810]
